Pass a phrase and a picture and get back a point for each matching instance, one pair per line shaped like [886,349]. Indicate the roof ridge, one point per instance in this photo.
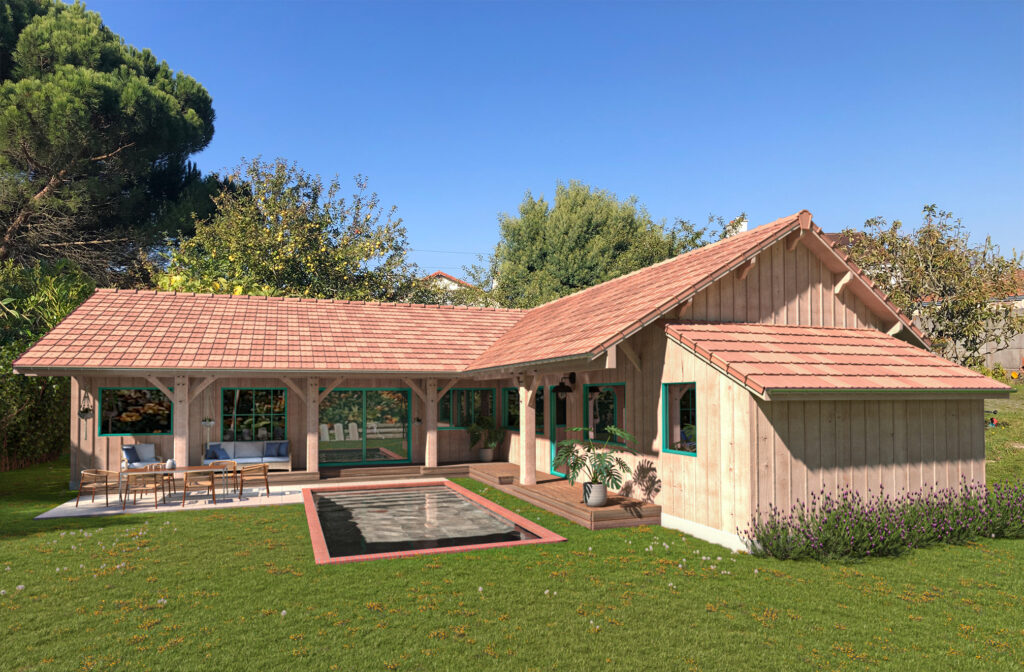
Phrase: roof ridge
[308,299]
[787,219]
[772,326]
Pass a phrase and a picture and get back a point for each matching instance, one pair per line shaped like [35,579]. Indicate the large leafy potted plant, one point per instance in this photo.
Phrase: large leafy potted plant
[485,435]
[598,461]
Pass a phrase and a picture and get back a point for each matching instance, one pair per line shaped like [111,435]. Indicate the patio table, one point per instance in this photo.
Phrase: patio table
[164,472]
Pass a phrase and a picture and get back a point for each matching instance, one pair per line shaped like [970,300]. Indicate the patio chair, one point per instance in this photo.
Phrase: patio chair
[253,473]
[228,475]
[142,483]
[325,433]
[94,480]
[202,481]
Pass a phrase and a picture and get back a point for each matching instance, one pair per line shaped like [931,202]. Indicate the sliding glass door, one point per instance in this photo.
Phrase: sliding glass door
[365,427]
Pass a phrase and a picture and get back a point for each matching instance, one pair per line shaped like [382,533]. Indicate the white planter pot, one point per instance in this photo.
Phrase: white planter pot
[595,494]
[487,454]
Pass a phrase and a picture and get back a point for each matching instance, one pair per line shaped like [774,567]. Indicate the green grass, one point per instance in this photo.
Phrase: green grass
[1004,443]
[237,589]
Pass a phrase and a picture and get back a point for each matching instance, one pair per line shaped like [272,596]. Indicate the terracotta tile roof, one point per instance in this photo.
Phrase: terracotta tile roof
[767,357]
[168,330]
[589,321]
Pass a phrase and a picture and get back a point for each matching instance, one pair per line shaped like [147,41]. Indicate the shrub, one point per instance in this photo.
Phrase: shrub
[848,525]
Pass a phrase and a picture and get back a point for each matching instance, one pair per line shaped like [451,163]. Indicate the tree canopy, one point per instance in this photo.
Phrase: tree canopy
[956,290]
[279,230]
[586,237]
[95,137]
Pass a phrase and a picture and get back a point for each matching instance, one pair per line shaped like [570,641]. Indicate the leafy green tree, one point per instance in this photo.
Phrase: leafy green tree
[95,137]
[280,231]
[34,411]
[955,290]
[586,237]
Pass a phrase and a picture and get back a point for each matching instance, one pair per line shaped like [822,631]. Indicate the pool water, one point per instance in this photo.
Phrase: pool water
[362,522]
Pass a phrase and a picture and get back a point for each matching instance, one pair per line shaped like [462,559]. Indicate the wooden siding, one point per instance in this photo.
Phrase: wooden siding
[804,447]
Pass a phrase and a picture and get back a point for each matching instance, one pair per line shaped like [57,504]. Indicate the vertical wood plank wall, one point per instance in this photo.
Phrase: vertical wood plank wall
[891,444]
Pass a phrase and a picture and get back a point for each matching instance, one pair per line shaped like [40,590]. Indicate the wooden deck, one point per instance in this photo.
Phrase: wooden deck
[554,494]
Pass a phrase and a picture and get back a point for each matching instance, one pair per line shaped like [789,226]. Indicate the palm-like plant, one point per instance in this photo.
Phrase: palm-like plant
[597,460]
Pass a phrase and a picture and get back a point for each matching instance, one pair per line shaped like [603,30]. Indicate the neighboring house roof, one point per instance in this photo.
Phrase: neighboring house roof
[441,275]
[766,358]
[137,330]
[128,329]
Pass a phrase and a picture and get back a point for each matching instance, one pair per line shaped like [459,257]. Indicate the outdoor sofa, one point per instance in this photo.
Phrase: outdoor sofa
[274,454]
[140,454]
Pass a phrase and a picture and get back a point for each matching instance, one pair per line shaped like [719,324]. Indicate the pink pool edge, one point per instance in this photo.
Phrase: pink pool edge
[322,557]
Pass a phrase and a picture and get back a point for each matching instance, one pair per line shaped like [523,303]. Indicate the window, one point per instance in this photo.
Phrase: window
[510,409]
[679,418]
[254,414]
[605,406]
[134,410]
[458,408]
[365,426]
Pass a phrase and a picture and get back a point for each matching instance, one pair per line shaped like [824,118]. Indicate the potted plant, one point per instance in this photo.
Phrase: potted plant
[597,460]
[485,435]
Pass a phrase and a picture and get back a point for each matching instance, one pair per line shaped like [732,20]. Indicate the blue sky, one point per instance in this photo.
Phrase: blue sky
[454,110]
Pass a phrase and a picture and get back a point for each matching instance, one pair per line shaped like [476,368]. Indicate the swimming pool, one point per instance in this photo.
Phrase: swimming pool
[367,522]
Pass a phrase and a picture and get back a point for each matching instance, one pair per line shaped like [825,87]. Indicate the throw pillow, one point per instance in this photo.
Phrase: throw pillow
[221,453]
[211,451]
[282,449]
[130,454]
[270,449]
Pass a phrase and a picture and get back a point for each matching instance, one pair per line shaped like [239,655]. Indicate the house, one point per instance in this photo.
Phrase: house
[752,372]
[445,281]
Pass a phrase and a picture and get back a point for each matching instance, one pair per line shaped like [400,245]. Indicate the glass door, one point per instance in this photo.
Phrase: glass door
[364,427]
[558,430]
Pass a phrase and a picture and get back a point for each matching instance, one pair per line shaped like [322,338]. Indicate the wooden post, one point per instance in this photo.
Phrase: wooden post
[180,420]
[527,431]
[76,448]
[312,424]
[430,459]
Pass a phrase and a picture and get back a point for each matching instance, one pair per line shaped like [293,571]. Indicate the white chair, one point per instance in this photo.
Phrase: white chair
[353,431]
[339,432]
[325,433]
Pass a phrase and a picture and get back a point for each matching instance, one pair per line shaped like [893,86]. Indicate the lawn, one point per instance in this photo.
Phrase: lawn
[237,589]
[1004,443]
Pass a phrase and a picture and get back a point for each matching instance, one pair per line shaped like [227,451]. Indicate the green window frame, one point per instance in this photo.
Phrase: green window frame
[140,407]
[510,409]
[364,391]
[271,410]
[687,411]
[459,406]
[618,409]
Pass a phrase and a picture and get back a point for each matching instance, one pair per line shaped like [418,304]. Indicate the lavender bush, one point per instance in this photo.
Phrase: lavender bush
[848,525]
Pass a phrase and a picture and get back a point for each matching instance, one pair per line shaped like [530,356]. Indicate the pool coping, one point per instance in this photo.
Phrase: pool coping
[322,557]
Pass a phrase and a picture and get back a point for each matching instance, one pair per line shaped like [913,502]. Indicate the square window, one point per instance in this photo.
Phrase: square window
[604,407]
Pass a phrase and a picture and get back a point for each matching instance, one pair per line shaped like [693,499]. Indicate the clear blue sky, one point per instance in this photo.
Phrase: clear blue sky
[455,110]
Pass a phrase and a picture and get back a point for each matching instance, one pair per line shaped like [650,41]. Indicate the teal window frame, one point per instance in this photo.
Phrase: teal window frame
[235,416]
[408,425]
[451,405]
[586,407]
[541,423]
[99,414]
[666,444]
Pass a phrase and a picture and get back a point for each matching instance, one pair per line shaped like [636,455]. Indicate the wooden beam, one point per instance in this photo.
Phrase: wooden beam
[180,420]
[611,357]
[415,388]
[744,269]
[294,387]
[430,456]
[312,424]
[630,354]
[895,329]
[793,239]
[444,390]
[327,390]
[205,383]
[842,282]
[527,430]
[160,386]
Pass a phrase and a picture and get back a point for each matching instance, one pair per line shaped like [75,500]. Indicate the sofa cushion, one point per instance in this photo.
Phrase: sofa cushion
[248,449]
[249,460]
[146,451]
[211,450]
[221,454]
[275,460]
[131,455]
[276,449]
